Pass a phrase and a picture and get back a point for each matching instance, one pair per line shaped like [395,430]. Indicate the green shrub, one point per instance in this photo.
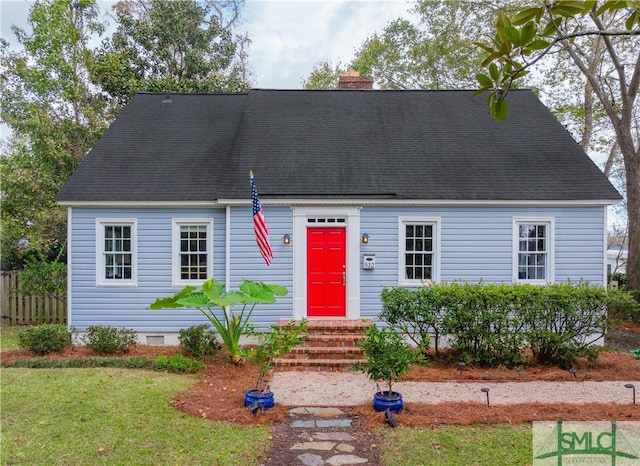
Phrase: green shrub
[199,340]
[481,323]
[177,363]
[564,321]
[493,323]
[621,306]
[416,313]
[109,340]
[82,363]
[46,338]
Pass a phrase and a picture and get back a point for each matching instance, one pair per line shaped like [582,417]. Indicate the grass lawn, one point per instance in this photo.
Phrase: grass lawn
[455,445]
[9,337]
[112,416]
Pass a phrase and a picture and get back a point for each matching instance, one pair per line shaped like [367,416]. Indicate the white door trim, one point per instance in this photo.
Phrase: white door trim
[352,224]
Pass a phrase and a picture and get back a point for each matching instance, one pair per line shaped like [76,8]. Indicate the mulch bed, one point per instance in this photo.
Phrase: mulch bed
[219,392]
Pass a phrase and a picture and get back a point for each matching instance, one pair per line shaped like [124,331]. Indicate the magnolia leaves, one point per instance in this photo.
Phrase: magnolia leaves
[524,38]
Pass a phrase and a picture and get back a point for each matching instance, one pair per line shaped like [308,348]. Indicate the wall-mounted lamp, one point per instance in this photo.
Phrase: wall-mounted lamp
[286,239]
[365,238]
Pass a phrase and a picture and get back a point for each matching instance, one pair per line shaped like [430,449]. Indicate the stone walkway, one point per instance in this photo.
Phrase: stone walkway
[324,438]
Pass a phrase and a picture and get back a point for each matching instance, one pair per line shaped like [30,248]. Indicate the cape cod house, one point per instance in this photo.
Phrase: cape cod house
[361,189]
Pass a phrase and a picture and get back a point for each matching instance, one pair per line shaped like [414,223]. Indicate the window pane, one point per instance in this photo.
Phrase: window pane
[532,248]
[418,251]
[193,252]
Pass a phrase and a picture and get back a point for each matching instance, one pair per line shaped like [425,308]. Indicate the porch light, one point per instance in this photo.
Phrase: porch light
[632,387]
[365,238]
[286,239]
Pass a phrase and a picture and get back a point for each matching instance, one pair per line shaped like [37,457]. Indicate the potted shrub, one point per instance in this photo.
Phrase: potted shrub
[276,342]
[388,356]
[215,303]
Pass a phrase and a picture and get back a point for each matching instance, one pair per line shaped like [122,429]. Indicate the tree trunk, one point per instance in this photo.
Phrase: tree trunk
[632,168]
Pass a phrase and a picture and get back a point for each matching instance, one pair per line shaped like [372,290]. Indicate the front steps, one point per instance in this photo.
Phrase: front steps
[330,346]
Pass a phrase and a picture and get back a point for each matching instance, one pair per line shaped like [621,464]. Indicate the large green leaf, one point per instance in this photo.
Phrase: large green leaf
[526,15]
[196,300]
[484,80]
[170,302]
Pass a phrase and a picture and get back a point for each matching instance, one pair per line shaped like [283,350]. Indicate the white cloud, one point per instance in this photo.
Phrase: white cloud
[290,37]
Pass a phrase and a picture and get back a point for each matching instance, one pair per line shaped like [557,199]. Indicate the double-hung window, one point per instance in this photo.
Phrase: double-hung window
[192,250]
[419,251]
[533,246]
[116,257]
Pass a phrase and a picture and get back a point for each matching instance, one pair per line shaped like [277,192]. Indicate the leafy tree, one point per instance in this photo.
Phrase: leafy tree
[55,115]
[611,28]
[432,51]
[324,76]
[177,46]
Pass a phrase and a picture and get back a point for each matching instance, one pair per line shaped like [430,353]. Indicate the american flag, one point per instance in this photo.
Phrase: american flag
[259,225]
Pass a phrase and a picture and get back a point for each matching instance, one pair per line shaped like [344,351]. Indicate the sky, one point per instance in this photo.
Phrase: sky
[288,36]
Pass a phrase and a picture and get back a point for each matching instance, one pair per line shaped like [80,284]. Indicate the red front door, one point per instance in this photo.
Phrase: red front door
[326,272]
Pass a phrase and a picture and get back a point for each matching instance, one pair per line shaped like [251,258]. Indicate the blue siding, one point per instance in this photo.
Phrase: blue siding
[126,306]
[476,244]
[248,263]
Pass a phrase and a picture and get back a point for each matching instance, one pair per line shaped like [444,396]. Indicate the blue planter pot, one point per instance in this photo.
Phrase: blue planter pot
[384,400]
[255,398]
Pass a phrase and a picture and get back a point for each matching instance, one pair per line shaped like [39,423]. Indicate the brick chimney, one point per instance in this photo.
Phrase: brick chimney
[353,80]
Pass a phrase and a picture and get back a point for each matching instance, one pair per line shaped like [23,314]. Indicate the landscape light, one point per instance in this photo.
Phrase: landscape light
[388,417]
[486,390]
[632,387]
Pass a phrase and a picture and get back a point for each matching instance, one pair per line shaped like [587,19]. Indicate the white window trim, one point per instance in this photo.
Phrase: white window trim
[176,223]
[101,279]
[551,263]
[435,274]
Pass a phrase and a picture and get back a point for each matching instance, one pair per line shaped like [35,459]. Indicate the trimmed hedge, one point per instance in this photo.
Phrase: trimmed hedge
[494,323]
[82,363]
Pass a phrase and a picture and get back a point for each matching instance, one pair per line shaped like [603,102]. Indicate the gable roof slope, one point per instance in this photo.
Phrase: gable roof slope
[422,145]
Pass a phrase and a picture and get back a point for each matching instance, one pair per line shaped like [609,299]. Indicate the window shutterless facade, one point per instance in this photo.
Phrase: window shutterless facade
[419,251]
[116,255]
[533,250]
[192,250]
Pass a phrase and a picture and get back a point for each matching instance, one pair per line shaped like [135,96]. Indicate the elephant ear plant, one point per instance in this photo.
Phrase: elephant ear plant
[215,303]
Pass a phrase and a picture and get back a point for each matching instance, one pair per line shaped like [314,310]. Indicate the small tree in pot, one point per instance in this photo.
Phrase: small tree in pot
[388,357]
[276,342]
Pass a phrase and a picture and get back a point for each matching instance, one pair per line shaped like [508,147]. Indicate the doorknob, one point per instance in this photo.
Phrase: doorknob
[344,278]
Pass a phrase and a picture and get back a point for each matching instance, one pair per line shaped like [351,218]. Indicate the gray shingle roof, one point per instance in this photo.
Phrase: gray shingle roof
[427,145]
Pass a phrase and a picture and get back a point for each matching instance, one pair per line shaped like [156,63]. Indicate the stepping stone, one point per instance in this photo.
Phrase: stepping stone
[345,448]
[322,446]
[338,436]
[333,423]
[309,459]
[325,412]
[301,410]
[303,424]
[346,459]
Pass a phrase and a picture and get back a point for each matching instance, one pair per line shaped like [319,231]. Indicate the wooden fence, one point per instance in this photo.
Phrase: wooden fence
[19,309]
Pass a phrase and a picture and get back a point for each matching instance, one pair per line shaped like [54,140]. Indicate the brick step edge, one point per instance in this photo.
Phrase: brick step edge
[333,327]
[302,349]
[314,364]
